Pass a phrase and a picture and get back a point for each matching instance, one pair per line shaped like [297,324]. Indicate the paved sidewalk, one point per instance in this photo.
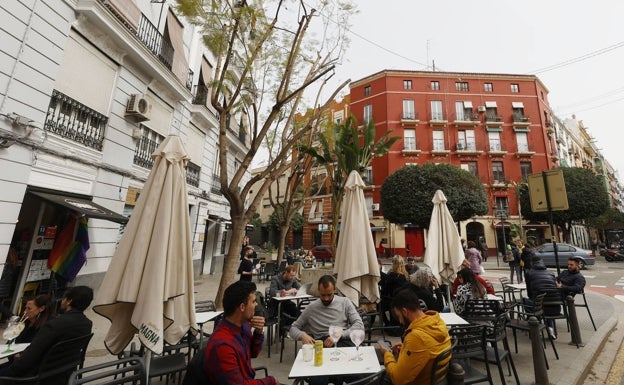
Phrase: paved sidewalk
[572,367]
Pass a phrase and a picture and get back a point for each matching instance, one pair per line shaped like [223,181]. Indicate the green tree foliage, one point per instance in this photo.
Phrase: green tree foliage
[587,198]
[406,194]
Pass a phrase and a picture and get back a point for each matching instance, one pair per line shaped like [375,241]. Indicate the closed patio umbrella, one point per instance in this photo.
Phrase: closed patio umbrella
[356,258]
[148,288]
[444,253]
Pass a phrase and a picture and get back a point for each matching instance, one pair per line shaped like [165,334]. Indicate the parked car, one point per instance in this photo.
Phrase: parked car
[323,253]
[565,251]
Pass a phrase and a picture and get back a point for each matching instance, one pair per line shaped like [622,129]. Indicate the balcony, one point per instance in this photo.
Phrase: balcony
[520,119]
[438,119]
[467,149]
[439,148]
[200,94]
[192,174]
[143,152]
[467,119]
[496,149]
[525,151]
[215,186]
[73,120]
[498,181]
[189,80]
[409,147]
[493,120]
[409,118]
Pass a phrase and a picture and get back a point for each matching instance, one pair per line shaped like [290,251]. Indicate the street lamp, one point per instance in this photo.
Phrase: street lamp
[501,214]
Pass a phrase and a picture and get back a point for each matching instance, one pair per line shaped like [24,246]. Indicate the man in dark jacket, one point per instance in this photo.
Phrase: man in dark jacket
[571,280]
[539,279]
[70,324]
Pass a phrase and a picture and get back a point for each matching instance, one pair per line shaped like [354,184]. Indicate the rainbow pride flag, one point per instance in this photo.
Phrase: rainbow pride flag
[69,253]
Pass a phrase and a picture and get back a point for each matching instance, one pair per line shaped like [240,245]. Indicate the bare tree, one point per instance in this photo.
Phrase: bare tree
[267,56]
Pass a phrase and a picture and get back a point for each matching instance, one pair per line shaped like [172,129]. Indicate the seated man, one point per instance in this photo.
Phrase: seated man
[466,265]
[282,285]
[411,266]
[320,314]
[426,336]
[538,280]
[231,346]
[70,324]
[571,280]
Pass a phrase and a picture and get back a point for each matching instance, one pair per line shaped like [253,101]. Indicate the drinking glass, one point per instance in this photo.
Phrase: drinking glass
[357,337]
[14,328]
[335,332]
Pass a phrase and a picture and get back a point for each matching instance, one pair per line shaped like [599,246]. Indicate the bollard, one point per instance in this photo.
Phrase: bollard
[539,360]
[575,330]
[455,374]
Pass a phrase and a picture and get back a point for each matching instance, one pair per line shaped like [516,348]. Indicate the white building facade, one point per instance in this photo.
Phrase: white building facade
[88,89]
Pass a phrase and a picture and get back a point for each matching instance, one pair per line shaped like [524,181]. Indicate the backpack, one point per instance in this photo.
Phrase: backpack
[195,370]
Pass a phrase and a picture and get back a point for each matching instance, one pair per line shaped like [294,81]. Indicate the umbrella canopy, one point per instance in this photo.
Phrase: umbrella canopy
[444,253]
[148,288]
[356,258]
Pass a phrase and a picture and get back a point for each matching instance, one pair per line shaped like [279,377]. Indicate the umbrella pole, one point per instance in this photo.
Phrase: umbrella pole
[147,361]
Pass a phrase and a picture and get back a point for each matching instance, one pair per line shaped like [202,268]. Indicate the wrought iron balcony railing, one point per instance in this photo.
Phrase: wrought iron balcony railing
[192,174]
[73,120]
[143,152]
[215,186]
[155,41]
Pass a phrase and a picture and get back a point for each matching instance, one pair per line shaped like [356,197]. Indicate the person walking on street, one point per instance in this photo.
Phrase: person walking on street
[514,265]
[245,269]
[474,256]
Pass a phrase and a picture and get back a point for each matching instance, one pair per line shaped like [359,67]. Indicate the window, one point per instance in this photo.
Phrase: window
[338,116]
[502,203]
[367,90]
[407,84]
[522,141]
[525,170]
[518,111]
[436,110]
[515,87]
[494,140]
[435,85]
[438,141]
[461,86]
[497,172]
[488,87]
[408,109]
[368,176]
[368,113]
[471,167]
[466,140]
[409,139]
[463,110]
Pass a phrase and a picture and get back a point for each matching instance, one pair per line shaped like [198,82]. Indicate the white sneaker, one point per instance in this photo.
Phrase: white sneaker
[551,333]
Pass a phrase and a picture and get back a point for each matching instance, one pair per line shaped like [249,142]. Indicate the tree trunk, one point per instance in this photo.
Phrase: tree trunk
[232,259]
[282,243]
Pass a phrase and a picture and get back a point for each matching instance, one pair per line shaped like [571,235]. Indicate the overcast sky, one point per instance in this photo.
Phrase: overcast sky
[501,36]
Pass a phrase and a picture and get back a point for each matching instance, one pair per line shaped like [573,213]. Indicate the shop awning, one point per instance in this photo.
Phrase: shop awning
[536,225]
[378,228]
[503,224]
[83,206]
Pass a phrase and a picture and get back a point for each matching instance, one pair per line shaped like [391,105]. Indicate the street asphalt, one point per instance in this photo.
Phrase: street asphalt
[599,361]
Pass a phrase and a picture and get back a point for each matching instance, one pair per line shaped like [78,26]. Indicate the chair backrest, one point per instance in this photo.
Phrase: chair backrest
[63,358]
[481,309]
[207,305]
[440,366]
[123,371]
[270,268]
[468,341]
[373,379]
[554,297]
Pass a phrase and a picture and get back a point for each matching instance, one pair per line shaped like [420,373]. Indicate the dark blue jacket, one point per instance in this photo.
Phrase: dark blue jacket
[538,279]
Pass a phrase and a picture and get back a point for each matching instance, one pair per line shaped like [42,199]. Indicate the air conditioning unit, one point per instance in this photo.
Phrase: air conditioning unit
[375,206]
[138,108]
[461,146]
[481,108]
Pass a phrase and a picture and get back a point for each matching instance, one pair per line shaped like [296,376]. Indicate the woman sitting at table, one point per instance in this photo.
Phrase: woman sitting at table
[427,287]
[38,311]
[469,288]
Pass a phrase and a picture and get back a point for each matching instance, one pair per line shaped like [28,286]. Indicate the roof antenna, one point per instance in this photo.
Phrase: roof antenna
[433,65]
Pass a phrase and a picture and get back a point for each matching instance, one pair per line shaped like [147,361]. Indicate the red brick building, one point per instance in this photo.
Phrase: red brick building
[496,126]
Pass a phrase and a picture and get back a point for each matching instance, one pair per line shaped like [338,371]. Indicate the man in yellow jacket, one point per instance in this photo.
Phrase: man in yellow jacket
[425,337]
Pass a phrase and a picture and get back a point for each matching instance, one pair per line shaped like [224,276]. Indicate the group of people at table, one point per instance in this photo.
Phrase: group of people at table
[413,300]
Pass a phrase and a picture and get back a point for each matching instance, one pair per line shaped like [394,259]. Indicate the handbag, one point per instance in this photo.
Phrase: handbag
[508,257]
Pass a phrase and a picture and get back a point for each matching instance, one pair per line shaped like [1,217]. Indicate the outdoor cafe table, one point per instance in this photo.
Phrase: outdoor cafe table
[202,317]
[453,319]
[344,366]
[296,297]
[15,348]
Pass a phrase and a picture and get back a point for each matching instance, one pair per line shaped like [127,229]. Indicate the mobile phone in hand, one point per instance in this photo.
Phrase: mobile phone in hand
[384,344]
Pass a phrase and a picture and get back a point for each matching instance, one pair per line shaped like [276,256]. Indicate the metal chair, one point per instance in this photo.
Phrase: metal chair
[440,366]
[373,379]
[123,371]
[270,269]
[555,298]
[469,342]
[497,333]
[586,306]
[270,316]
[57,363]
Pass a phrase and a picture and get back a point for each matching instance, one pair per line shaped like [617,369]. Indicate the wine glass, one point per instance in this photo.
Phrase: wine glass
[14,328]
[335,332]
[357,337]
